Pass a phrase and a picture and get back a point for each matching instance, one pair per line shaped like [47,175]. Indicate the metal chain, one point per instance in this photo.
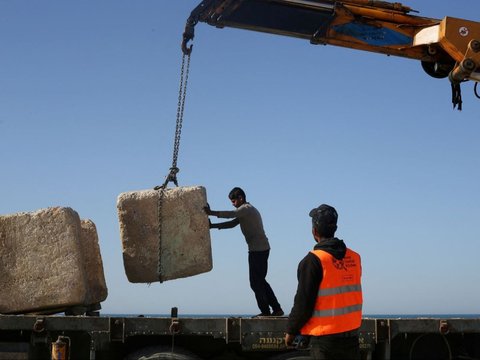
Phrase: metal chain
[172,175]
[181,106]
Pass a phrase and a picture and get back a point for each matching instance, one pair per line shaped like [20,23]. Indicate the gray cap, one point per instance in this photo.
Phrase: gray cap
[324,214]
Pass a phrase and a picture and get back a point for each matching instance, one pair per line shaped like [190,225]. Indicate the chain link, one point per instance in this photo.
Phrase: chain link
[172,175]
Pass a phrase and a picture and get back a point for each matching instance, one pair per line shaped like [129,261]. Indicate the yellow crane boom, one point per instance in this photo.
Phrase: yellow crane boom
[448,47]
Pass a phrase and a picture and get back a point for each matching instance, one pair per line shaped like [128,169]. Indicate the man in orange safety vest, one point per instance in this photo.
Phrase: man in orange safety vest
[328,302]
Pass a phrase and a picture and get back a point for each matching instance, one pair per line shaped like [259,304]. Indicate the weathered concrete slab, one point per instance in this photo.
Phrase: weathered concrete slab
[185,242]
[93,265]
[41,261]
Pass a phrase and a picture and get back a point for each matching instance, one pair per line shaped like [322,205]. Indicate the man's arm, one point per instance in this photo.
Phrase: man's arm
[309,275]
[225,225]
[221,214]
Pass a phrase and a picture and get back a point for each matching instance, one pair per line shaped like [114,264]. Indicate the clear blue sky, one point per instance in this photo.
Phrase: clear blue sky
[88,97]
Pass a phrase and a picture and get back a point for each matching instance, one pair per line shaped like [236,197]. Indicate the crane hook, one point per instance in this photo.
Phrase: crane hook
[188,35]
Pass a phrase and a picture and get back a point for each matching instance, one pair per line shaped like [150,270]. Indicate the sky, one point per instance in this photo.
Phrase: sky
[88,101]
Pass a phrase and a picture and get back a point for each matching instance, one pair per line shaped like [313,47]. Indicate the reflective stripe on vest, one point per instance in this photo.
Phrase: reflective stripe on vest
[338,307]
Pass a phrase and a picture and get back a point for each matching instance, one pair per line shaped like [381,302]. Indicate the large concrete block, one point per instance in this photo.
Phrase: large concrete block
[185,248]
[41,261]
[96,285]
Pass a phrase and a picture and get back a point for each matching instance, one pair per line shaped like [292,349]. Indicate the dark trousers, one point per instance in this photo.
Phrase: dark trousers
[332,347]
[258,267]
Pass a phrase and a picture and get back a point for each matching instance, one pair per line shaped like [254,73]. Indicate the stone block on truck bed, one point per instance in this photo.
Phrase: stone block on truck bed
[41,262]
[185,248]
[96,286]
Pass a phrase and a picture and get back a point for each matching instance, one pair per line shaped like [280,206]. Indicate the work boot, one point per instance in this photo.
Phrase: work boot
[278,312]
[262,315]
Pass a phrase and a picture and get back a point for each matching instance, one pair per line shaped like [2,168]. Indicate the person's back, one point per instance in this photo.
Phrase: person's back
[251,225]
[328,302]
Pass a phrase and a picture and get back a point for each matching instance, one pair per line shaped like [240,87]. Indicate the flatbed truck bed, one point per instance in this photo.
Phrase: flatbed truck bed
[227,337]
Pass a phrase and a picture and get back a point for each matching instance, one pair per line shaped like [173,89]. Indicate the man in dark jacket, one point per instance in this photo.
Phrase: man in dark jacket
[328,302]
